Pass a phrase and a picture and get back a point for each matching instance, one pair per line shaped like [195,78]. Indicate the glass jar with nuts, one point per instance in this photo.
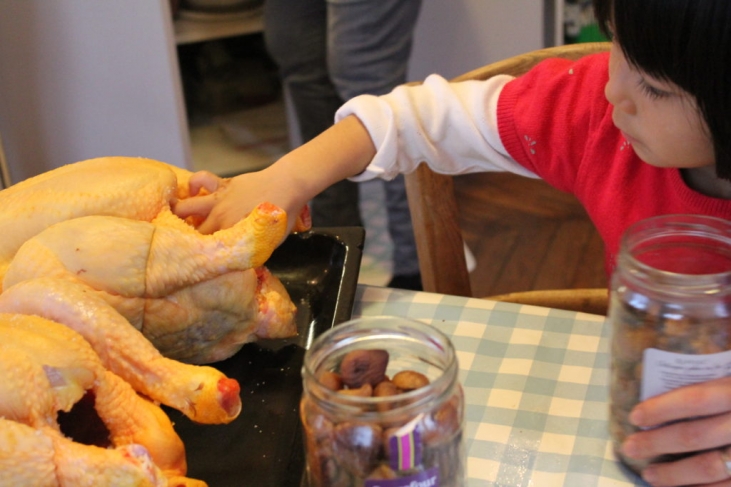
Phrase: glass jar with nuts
[670,312]
[382,406]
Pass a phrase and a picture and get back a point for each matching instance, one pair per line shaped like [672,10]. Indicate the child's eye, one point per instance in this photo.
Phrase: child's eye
[652,92]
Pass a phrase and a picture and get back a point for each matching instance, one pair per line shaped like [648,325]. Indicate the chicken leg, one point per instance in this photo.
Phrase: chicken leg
[46,367]
[203,394]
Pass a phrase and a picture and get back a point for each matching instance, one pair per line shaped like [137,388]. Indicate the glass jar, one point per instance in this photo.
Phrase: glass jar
[357,431]
[670,313]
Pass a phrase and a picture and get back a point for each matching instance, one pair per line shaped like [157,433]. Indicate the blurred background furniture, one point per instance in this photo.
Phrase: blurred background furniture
[449,211]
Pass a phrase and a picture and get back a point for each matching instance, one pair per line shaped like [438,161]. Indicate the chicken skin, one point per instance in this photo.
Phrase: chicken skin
[46,367]
[133,188]
[107,296]
[44,458]
[107,222]
[204,394]
[198,298]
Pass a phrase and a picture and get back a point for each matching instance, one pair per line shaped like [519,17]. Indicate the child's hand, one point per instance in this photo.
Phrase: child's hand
[226,201]
[342,151]
[709,432]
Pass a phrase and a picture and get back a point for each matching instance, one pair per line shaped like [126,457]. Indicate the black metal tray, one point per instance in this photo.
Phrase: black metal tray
[263,447]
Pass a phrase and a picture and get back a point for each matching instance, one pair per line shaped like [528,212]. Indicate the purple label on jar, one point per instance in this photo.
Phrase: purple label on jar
[405,450]
[427,478]
[405,446]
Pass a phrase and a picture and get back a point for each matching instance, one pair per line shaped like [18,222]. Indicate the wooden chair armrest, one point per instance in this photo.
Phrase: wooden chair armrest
[594,301]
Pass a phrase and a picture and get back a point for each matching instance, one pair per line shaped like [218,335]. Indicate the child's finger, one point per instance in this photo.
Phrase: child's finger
[204,179]
[197,206]
[304,220]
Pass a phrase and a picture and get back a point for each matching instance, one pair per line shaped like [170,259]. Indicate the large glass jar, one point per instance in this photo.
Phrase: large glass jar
[359,430]
[670,313]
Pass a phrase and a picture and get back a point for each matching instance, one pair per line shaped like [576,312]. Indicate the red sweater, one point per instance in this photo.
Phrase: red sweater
[556,122]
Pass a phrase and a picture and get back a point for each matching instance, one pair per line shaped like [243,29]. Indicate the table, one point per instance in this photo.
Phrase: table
[535,383]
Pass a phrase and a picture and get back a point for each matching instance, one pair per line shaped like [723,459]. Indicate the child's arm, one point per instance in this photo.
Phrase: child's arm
[342,151]
[450,126]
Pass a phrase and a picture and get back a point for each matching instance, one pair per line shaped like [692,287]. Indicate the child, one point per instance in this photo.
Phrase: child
[642,131]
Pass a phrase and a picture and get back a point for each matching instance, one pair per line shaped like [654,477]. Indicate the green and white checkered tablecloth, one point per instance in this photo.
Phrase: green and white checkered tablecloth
[535,383]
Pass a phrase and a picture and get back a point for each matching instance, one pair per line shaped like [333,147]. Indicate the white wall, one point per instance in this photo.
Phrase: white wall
[456,36]
[87,78]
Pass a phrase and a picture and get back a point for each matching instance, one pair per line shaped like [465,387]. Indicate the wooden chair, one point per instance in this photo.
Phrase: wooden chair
[435,213]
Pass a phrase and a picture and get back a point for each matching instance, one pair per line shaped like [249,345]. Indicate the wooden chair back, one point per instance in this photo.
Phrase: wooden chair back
[433,203]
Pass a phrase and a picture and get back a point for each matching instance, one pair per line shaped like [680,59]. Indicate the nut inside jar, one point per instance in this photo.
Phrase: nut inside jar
[639,326]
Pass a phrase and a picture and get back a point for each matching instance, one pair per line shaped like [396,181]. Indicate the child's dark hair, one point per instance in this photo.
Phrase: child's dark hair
[686,42]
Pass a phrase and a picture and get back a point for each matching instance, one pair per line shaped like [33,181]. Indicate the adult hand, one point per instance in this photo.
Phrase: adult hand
[696,418]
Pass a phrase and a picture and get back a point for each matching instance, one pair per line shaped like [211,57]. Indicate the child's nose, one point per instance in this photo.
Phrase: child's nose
[619,97]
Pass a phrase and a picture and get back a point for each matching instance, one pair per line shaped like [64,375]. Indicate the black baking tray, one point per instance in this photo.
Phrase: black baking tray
[263,446]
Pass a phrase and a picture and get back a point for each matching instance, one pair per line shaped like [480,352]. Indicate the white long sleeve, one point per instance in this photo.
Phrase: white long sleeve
[450,126]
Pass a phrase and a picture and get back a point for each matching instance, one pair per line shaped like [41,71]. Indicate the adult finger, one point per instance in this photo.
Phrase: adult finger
[708,469]
[702,399]
[723,483]
[681,437]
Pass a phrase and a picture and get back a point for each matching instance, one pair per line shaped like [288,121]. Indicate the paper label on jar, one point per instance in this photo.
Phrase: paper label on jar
[427,478]
[663,371]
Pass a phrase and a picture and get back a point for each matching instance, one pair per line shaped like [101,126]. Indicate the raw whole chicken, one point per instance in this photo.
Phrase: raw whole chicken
[105,293]
[198,298]
[62,341]
[107,222]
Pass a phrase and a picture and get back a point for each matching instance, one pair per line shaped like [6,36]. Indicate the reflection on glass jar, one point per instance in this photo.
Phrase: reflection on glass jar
[382,406]
[670,310]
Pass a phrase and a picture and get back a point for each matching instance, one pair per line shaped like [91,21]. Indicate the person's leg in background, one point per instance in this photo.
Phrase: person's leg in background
[368,49]
[296,35]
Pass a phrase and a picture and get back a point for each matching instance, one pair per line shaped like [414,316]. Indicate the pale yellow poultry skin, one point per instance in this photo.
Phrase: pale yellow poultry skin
[93,246]
[194,390]
[45,458]
[198,298]
[46,367]
[107,223]
[134,188]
